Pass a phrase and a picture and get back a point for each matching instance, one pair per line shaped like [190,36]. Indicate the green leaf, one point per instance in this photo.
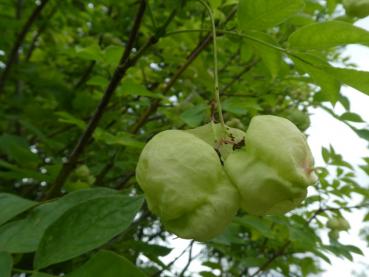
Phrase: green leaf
[70,119]
[325,154]
[307,266]
[145,248]
[366,217]
[253,261]
[300,20]
[86,227]
[212,265]
[354,249]
[272,58]
[40,134]
[121,138]
[316,69]
[263,14]
[98,81]
[354,117]
[363,133]
[241,106]
[302,235]
[207,274]
[257,223]
[246,51]
[24,235]
[151,251]
[6,264]
[17,148]
[326,35]
[321,255]
[41,274]
[14,172]
[194,116]
[339,250]
[112,54]
[12,205]
[353,78]
[229,236]
[214,4]
[129,87]
[107,264]
[331,5]
[90,53]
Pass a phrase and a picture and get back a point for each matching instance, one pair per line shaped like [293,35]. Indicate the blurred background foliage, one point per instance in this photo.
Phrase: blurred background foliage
[59,59]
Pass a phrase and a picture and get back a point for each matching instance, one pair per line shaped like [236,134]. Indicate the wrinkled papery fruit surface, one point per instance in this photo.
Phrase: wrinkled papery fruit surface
[186,186]
[266,171]
[229,137]
[358,8]
[275,168]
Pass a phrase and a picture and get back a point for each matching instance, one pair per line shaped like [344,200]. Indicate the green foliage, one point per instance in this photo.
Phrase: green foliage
[324,35]
[106,263]
[24,235]
[12,205]
[263,14]
[85,227]
[59,59]
[6,264]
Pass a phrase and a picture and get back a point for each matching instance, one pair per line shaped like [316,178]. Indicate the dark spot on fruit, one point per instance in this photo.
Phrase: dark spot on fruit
[239,144]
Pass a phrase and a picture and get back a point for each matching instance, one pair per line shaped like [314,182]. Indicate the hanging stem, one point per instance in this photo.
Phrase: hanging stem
[216,82]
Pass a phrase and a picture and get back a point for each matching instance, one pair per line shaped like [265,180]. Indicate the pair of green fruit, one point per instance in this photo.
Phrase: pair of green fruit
[196,180]
[337,225]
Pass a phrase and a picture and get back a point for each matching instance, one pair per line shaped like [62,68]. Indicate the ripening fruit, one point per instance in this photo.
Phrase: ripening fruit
[274,169]
[235,123]
[357,8]
[338,224]
[186,186]
[81,178]
[299,118]
[333,235]
[266,171]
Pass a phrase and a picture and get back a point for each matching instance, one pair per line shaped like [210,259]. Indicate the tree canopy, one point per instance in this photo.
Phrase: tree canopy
[85,84]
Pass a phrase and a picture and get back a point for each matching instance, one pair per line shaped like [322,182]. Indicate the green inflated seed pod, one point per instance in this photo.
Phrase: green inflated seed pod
[357,8]
[186,186]
[333,235]
[299,118]
[338,224]
[274,169]
[235,123]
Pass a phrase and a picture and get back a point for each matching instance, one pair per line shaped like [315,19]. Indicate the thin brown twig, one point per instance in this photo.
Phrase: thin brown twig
[173,261]
[122,184]
[18,42]
[322,210]
[188,261]
[277,254]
